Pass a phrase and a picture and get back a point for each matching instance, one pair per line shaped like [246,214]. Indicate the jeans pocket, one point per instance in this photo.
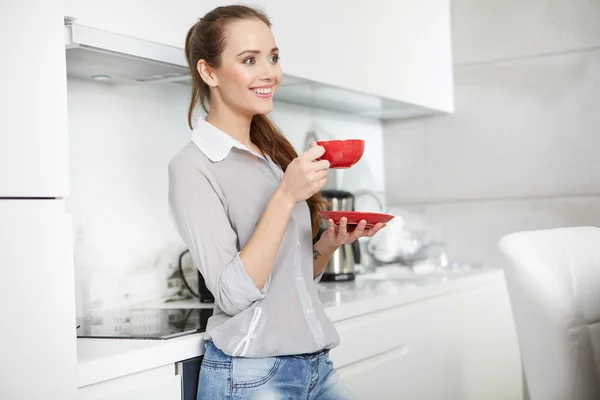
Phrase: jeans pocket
[253,372]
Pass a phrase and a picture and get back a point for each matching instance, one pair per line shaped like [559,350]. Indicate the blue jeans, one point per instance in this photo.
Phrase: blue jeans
[307,376]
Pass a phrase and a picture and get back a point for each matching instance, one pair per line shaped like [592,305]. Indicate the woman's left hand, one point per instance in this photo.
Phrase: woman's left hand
[336,236]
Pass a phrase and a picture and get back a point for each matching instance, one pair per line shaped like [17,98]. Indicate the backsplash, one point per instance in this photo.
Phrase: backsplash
[520,152]
[122,139]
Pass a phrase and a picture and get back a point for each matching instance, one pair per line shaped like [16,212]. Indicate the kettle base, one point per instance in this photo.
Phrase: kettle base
[338,277]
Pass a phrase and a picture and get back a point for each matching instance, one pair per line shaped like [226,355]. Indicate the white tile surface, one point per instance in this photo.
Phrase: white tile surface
[492,29]
[472,230]
[523,128]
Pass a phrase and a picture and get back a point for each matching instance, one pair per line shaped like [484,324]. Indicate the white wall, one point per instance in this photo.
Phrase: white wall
[521,150]
[122,139]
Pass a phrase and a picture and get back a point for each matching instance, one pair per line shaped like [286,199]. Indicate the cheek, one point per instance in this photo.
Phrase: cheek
[242,77]
[277,72]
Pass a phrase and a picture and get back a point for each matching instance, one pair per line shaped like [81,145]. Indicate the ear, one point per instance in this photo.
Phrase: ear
[207,73]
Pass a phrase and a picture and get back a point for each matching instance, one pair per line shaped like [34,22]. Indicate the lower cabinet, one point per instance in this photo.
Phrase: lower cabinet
[155,384]
[459,346]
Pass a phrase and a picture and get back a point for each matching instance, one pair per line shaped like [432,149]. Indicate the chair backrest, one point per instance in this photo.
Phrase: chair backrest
[553,280]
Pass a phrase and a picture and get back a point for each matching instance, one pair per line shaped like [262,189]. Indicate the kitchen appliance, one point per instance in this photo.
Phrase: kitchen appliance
[341,264]
[190,373]
[144,323]
[186,262]
[114,58]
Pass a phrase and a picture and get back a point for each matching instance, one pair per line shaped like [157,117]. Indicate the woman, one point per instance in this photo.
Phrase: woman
[247,207]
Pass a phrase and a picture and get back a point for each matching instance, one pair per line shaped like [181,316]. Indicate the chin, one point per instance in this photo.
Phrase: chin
[263,108]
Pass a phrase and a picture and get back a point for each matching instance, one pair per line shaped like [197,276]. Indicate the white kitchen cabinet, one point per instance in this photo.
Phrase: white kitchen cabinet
[33,101]
[398,52]
[485,339]
[405,352]
[156,384]
[165,22]
[458,346]
[37,296]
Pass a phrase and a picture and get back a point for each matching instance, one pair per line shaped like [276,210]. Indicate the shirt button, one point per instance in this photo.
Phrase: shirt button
[309,311]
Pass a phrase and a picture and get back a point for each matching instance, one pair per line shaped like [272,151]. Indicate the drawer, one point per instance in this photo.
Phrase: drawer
[387,330]
[155,384]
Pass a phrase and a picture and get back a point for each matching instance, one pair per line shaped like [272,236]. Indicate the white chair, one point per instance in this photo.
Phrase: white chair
[553,281]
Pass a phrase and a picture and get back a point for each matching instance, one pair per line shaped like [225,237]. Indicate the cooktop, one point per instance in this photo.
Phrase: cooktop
[143,323]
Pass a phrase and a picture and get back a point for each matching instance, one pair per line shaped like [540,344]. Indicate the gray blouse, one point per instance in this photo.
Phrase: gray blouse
[218,190]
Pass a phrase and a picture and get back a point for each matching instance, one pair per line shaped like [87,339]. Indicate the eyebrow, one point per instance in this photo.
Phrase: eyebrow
[273,50]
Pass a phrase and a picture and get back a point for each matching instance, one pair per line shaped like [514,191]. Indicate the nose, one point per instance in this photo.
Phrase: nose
[266,72]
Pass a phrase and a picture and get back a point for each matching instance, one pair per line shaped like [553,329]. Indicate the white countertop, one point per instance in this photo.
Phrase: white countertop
[103,359]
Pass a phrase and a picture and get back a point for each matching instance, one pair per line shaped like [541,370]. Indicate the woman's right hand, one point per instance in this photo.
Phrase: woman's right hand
[304,176]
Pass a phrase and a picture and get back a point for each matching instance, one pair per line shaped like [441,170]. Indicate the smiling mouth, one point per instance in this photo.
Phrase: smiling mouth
[262,91]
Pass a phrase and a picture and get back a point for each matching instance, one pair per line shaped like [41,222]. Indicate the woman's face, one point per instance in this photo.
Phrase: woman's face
[249,72]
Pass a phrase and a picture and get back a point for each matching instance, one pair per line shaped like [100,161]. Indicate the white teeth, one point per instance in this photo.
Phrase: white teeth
[262,90]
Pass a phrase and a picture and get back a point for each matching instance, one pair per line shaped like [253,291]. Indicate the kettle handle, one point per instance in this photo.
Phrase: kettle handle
[356,251]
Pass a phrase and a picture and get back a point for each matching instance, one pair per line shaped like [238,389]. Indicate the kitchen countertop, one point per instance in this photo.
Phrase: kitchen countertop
[103,359]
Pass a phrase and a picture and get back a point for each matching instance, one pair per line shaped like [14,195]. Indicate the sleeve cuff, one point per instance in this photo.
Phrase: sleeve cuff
[317,278]
[237,287]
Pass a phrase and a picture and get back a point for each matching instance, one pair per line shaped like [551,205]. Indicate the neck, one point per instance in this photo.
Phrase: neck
[234,124]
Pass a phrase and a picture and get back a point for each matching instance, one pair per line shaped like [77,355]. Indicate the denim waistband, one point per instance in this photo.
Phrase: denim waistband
[317,354]
[217,355]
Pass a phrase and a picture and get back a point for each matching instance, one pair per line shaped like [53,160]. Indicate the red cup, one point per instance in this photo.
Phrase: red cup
[342,153]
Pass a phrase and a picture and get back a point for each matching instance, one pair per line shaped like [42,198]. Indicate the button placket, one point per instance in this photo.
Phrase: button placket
[307,305]
[268,171]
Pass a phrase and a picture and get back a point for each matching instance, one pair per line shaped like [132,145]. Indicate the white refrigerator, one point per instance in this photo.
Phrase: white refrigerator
[38,357]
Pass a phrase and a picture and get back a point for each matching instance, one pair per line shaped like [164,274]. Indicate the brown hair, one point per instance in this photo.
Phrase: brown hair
[206,40]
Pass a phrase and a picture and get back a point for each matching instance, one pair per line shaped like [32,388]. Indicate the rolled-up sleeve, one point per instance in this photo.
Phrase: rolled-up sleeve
[201,220]
[317,278]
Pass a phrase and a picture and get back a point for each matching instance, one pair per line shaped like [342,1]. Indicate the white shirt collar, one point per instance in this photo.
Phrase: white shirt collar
[213,142]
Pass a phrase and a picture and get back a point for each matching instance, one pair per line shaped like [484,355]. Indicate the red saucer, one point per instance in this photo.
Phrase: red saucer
[354,217]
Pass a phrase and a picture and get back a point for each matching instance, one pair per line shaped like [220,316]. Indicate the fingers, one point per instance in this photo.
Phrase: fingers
[320,165]
[372,231]
[319,175]
[313,153]
[313,166]
[343,228]
[331,227]
[359,230]
[317,185]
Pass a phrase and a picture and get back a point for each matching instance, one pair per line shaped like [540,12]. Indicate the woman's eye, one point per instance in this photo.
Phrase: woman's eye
[274,58]
[249,60]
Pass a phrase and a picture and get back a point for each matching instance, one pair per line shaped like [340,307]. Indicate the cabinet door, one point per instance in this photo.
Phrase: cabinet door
[165,22]
[422,369]
[411,354]
[486,342]
[400,50]
[37,301]
[155,384]
[33,100]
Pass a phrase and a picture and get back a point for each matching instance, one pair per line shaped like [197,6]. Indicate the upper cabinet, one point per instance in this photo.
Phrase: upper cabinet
[33,101]
[397,50]
[379,58]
